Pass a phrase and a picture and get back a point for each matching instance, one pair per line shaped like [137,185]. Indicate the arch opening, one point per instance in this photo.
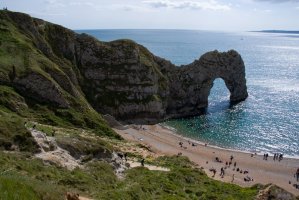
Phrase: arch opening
[219,96]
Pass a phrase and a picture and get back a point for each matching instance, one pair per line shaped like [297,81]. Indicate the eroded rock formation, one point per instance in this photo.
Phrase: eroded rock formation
[120,78]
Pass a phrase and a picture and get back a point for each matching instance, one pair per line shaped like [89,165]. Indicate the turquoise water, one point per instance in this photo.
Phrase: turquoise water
[268,121]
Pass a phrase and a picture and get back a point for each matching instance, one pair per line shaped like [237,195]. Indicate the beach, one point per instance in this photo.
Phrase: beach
[164,141]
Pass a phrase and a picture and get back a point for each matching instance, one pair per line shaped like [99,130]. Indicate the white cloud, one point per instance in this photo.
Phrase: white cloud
[197,5]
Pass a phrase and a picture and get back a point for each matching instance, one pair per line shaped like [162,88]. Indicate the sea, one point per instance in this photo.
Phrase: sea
[266,122]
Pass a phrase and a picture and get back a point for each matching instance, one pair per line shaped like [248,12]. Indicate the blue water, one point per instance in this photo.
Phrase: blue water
[268,121]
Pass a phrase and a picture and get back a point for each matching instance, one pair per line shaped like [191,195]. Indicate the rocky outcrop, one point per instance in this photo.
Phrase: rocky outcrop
[191,84]
[41,89]
[120,78]
[274,192]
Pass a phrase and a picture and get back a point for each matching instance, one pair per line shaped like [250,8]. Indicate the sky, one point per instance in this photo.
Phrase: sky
[217,15]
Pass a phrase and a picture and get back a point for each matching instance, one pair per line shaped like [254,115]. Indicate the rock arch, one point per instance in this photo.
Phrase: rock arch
[191,84]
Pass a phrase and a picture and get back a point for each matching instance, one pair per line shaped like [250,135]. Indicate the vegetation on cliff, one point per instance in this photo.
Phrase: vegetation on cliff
[35,84]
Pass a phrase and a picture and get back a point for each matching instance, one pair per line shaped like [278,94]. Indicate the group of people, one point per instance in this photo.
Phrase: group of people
[266,155]
[190,143]
[227,165]
[278,157]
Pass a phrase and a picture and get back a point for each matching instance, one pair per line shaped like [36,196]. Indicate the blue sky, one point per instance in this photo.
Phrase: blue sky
[225,15]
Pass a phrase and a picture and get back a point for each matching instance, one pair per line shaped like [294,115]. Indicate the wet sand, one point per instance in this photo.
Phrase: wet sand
[165,142]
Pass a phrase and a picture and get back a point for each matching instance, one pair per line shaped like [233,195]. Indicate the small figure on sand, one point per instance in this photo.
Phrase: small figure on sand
[181,144]
[218,160]
[247,179]
[214,171]
[280,157]
[297,175]
[265,156]
[142,162]
[233,178]
[274,157]
[222,172]
[231,158]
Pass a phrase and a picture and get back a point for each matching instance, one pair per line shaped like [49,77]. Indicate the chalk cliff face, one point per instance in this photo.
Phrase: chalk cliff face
[121,78]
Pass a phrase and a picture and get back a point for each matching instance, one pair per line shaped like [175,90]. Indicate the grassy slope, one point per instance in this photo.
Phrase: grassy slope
[98,181]
[18,57]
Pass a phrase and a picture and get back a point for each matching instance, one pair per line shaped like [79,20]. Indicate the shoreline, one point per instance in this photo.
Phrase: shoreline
[164,141]
[175,133]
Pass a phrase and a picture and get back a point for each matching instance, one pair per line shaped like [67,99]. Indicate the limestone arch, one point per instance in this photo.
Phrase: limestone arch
[192,90]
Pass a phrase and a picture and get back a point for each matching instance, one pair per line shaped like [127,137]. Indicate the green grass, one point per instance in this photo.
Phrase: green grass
[13,188]
[13,132]
[182,182]
[97,180]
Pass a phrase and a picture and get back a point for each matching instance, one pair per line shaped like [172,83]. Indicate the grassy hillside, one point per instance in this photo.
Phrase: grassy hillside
[21,55]
[98,181]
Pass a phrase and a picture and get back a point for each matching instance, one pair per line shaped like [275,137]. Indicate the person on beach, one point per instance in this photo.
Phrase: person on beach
[142,162]
[233,178]
[265,156]
[297,175]
[235,164]
[222,172]
[280,157]
[274,157]
[231,158]
[181,144]
[214,172]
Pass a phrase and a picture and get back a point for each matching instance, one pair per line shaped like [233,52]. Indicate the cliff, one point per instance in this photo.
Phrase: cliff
[49,65]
